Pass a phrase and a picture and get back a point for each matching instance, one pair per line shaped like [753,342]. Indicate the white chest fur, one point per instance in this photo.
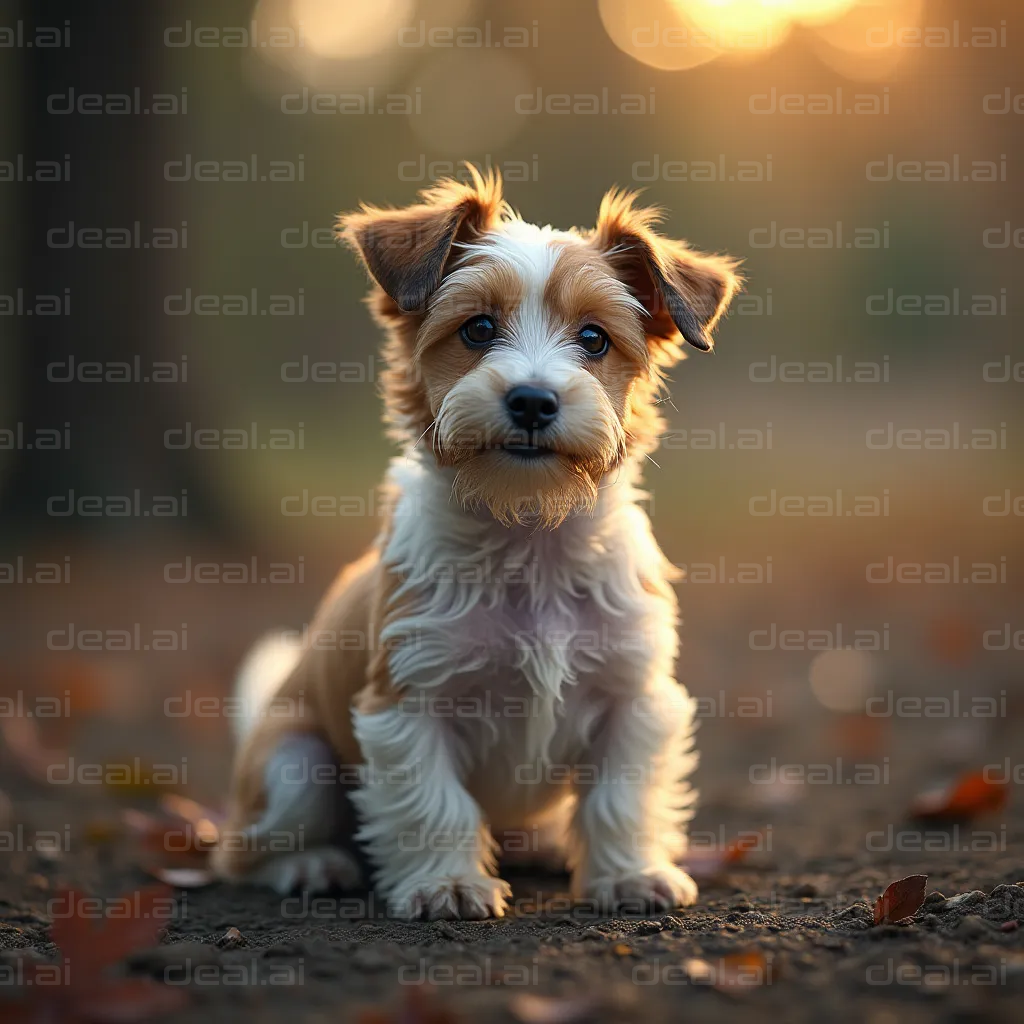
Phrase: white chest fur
[519,634]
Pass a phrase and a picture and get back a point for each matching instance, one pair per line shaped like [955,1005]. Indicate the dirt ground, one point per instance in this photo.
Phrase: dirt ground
[339,958]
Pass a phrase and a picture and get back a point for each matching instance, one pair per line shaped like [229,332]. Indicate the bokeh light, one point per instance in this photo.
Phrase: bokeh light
[656,33]
[344,30]
[854,37]
[842,679]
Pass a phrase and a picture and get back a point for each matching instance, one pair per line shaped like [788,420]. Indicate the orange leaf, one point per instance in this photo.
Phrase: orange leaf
[708,863]
[738,849]
[901,899]
[90,995]
[79,937]
[969,796]
[173,840]
[732,974]
[420,1006]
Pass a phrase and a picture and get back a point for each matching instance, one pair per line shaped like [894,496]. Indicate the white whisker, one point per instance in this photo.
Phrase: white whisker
[424,434]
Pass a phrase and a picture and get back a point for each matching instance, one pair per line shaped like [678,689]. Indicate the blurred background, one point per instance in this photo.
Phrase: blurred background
[186,362]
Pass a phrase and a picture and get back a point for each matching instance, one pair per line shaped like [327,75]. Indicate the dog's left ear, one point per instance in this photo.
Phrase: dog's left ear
[683,291]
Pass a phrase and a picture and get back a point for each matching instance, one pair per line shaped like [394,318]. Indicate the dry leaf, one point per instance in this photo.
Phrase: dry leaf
[901,899]
[179,839]
[707,864]
[968,797]
[88,949]
[419,1006]
[205,821]
[741,971]
[732,974]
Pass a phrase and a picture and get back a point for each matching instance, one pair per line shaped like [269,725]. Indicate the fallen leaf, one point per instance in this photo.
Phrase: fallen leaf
[743,971]
[178,839]
[707,864]
[968,797]
[901,899]
[205,821]
[90,994]
[733,974]
[531,1009]
[420,1006]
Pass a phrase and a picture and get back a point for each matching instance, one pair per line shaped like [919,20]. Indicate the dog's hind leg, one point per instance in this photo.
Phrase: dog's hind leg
[293,844]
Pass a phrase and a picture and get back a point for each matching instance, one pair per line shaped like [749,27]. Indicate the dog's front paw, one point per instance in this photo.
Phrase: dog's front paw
[318,869]
[655,888]
[471,897]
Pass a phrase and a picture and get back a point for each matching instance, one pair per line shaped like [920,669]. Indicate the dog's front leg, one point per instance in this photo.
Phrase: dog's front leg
[422,830]
[631,817]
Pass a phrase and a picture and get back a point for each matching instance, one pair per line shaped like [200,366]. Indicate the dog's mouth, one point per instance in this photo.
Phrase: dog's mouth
[528,452]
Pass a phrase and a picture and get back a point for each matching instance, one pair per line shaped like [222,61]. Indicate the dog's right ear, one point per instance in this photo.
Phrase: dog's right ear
[405,251]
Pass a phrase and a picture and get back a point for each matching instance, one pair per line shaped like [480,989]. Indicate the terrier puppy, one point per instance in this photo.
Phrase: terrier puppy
[501,662]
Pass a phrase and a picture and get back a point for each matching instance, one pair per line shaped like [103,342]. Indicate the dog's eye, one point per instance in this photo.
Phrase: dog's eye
[477,331]
[595,342]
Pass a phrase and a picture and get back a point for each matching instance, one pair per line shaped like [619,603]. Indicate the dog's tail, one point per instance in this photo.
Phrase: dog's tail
[269,662]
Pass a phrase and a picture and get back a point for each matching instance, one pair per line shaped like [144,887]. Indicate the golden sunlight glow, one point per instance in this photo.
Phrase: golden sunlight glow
[729,17]
[656,34]
[345,30]
[852,36]
[861,43]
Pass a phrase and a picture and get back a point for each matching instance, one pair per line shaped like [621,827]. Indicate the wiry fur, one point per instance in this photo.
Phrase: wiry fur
[519,619]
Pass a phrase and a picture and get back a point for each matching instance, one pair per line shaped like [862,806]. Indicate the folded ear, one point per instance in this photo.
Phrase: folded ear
[406,250]
[683,291]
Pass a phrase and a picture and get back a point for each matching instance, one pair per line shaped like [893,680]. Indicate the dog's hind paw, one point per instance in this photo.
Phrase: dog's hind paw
[317,870]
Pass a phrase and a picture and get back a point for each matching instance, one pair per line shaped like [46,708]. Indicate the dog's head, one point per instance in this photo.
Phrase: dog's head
[528,358]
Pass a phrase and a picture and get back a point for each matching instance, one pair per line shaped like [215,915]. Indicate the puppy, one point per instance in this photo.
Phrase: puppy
[501,662]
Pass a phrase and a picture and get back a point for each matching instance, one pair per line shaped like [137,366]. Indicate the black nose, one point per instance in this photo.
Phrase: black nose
[532,408]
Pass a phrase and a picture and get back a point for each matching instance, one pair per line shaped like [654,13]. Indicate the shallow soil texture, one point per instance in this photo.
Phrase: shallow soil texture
[795,944]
